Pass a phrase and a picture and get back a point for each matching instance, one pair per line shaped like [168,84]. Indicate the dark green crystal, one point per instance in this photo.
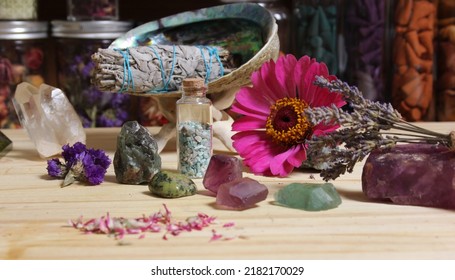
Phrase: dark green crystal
[136,158]
[5,144]
[308,196]
[172,185]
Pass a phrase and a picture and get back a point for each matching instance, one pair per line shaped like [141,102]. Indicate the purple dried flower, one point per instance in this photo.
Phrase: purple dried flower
[86,121]
[112,118]
[93,173]
[81,164]
[56,169]
[103,109]
[86,71]
[72,153]
[92,96]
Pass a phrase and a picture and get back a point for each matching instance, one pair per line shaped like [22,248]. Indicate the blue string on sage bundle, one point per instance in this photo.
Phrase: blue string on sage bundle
[158,68]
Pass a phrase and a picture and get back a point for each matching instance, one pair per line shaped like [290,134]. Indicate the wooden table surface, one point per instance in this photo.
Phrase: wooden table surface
[34,211]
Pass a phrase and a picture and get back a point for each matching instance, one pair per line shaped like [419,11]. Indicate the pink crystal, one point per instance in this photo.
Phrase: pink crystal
[241,193]
[48,117]
[221,169]
[421,175]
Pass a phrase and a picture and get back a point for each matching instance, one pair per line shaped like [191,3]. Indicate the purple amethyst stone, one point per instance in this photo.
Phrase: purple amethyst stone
[414,174]
[241,193]
[221,169]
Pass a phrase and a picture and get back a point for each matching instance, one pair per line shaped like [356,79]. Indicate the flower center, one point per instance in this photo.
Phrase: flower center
[287,123]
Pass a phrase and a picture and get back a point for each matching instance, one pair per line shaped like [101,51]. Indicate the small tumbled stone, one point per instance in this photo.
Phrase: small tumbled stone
[413,174]
[5,144]
[221,169]
[308,196]
[172,185]
[136,159]
[241,193]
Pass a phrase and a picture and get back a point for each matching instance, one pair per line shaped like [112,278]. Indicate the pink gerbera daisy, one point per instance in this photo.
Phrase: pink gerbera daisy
[273,129]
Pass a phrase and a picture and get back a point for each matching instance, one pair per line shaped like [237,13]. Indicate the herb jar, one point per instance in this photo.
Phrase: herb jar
[194,128]
[79,10]
[412,33]
[445,83]
[364,27]
[18,10]
[25,56]
[315,30]
[76,41]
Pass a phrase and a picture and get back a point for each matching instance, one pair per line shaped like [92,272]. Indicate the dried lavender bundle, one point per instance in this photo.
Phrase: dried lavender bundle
[363,129]
[158,68]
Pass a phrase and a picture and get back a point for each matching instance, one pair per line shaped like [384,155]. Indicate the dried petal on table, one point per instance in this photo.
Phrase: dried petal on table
[156,222]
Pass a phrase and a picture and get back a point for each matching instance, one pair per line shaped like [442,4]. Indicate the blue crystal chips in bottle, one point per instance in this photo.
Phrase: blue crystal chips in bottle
[194,129]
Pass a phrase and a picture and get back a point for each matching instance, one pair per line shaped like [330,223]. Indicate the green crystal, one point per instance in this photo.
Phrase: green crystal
[5,144]
[308,196]
[172,185]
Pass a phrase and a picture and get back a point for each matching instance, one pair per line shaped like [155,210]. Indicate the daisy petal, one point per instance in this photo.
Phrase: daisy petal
[248,98]
[248,123]
[260,80]
[280,165]
[247,138]
[248,111]
[285,65]
[298,156]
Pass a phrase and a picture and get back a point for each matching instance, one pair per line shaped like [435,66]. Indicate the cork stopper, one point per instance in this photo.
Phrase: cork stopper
[193,86]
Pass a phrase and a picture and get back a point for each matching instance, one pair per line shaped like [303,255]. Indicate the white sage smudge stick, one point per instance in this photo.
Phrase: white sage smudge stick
[158,68]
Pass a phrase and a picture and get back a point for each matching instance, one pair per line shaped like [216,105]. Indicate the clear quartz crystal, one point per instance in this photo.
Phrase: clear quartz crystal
[194,129]
[48,117]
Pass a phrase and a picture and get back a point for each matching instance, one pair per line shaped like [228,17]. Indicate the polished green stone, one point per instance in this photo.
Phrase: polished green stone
[171,185]
[308,196]
[5,144]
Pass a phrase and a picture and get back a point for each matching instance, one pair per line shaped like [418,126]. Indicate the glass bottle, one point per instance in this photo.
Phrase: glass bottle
[364,27]
[315,31]
[445,82]
[92,10]
[18,10]
[414,27]
[76,41]
[25,56]
[194,129]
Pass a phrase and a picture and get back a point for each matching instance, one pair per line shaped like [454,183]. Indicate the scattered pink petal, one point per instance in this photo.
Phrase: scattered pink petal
[227,225]
[215,236]
[119,226]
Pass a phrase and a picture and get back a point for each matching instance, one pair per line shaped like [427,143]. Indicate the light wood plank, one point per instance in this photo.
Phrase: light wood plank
[34,211]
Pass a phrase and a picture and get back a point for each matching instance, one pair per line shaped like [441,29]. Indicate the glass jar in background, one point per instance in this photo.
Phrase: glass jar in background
[18,10]
[25,56]
[413,58]
[282,16]
[314,31]
[364,27]
[76,41]
[79,10]
[445,83]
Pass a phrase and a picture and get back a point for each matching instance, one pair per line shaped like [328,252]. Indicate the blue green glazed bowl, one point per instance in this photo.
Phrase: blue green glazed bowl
[247,30]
